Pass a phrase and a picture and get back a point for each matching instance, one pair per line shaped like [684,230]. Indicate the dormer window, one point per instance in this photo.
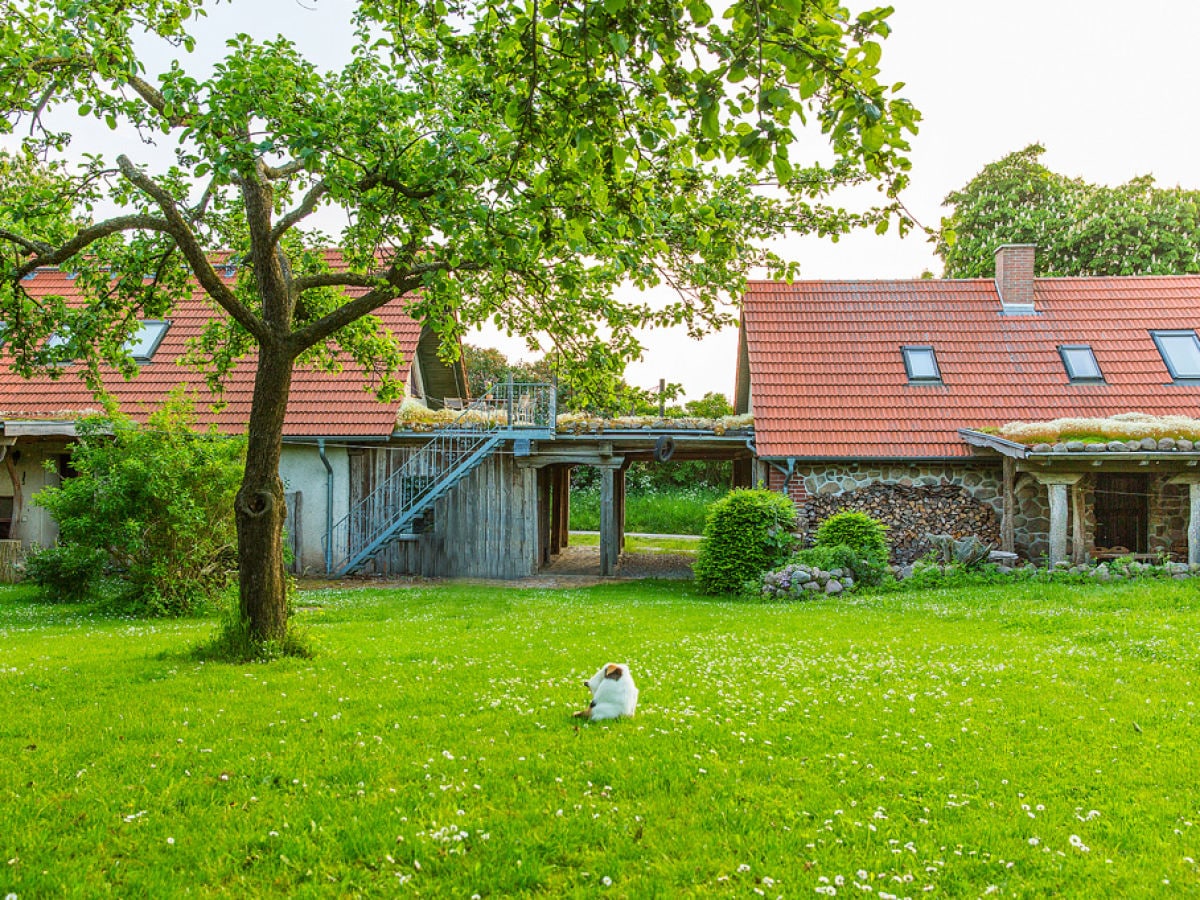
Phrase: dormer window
[920,363]
[145,340]
[1181,352]
[1080,363]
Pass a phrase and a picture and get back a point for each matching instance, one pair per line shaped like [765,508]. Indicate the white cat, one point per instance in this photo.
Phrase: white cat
[613,693]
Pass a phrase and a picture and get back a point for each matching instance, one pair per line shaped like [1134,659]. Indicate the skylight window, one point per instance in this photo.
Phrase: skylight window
[54,350]
[1080,363]
[1181,352]
[146,339]
[921,365]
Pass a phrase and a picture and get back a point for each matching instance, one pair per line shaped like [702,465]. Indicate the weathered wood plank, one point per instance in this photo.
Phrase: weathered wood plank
[608,522]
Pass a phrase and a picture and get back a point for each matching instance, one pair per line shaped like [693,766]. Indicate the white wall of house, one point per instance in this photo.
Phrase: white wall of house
[35,525]
[303,473]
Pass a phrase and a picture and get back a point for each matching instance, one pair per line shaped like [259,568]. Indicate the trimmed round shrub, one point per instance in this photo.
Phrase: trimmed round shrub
[858,531]
[747,533]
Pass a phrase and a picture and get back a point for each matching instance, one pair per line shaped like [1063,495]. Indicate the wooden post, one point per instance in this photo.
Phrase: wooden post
[1078,551]
[543,517]
[556,491]
[619,501]
[565,516]
[1007,537]
[608,522]
[1193,529]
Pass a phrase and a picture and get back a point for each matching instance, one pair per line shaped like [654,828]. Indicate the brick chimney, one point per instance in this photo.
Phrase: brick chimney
[1014,279]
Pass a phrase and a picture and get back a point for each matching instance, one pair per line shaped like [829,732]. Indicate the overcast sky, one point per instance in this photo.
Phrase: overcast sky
[1107,86]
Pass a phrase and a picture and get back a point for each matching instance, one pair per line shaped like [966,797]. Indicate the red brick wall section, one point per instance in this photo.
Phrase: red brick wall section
[1014,274]
[796,491]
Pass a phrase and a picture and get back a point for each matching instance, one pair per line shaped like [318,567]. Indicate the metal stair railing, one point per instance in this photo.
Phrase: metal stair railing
[433,469]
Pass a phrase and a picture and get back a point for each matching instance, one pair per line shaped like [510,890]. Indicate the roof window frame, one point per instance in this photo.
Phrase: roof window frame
[1074,377]
[906,350]
[155,342]
[1176,377]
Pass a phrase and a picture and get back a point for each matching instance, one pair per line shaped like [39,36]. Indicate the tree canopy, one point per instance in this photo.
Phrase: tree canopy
[1080,228]
[503,161]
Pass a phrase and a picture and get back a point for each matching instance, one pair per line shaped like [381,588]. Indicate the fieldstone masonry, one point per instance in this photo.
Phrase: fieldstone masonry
[913,500]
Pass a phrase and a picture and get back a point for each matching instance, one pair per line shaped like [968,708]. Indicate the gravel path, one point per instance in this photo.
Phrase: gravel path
[573,567]
[585,561]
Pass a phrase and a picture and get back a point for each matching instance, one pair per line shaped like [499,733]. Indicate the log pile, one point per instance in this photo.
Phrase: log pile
[910,513]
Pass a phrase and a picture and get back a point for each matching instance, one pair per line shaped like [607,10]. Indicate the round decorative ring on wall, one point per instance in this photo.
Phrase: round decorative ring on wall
[664,447]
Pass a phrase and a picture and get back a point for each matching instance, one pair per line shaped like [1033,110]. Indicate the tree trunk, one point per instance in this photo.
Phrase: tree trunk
[261,507]
[14,529]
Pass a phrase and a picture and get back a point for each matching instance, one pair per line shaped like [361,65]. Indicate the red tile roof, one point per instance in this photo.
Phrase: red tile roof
[320,403]
[827,377]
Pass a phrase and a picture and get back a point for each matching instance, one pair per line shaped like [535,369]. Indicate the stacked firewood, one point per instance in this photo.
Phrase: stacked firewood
[910,513]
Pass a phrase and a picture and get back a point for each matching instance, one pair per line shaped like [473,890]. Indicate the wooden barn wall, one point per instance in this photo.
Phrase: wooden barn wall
[486,527]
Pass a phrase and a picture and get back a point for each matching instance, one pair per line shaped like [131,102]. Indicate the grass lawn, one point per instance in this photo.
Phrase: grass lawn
[1026,741]
[681,511]
[676,543]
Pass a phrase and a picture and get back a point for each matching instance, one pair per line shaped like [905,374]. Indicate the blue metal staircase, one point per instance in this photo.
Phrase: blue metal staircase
[395,510]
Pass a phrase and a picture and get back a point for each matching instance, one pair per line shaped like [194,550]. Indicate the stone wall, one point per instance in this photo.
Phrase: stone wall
[1169,509]
[967,499]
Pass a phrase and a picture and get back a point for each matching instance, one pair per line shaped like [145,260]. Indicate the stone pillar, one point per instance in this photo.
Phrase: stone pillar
[1193,531]
[1194,523]
[1057,485]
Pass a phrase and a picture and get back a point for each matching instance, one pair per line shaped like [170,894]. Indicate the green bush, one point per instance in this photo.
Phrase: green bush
[747,533]
[65,573]
[866,569]
[858,531]
[155,504]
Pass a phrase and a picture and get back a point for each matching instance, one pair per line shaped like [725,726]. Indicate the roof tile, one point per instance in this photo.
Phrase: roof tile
[827,377]
[320,403]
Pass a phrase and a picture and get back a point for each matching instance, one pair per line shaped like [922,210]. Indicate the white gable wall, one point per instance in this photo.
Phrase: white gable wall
[305,474]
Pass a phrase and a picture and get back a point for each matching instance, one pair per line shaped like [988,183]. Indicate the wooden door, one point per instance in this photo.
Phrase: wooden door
[1122,510]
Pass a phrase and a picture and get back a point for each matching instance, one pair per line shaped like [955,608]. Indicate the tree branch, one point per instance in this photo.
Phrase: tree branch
[155,99]
[396,286]
[30,245]
[48,255]
[292,167]
[301,212]
[197,259]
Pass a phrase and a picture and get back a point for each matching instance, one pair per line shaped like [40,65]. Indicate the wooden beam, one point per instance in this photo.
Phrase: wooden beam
[565,498]
[1078,550]
[543,518]
[1008,515]
[619,501]
[608,523]
[556,510]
